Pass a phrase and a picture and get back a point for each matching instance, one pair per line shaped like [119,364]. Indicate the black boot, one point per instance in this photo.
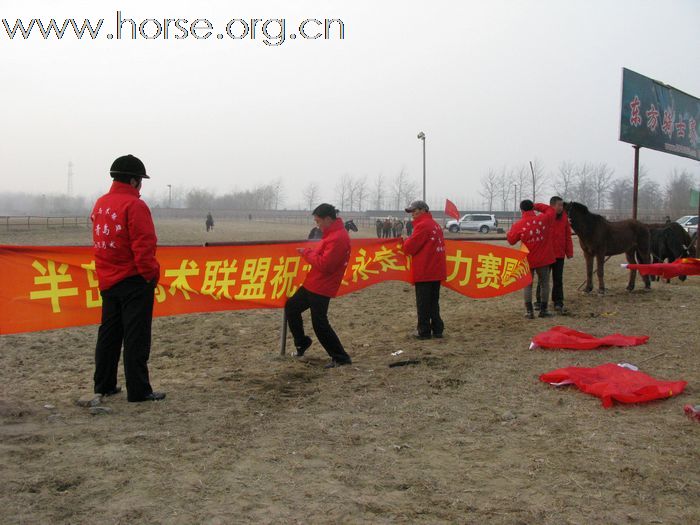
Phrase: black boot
[543,311]
[530,311]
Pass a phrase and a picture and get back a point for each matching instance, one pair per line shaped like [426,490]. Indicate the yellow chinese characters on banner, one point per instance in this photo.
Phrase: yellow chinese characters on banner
[56,287]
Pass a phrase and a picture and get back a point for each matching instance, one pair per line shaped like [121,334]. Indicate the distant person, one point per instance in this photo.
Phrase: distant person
[535,232]
[409,227]
[250,217]
[426,246]
[209,223]
[328,260]
[398,228]
[668,219]
[563,249]
[387,228]
[127,271]
[380,227]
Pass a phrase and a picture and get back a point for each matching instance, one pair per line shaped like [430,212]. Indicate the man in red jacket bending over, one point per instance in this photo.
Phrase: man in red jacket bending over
[426,245]
[328,259]
[563,248]
[127,271]
[535,232]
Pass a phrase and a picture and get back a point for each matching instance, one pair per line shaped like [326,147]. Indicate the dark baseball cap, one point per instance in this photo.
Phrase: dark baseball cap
[417,205]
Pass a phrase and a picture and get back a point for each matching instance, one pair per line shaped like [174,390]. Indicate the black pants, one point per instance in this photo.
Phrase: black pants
[127,312]
[301,301]
[428,306]
[557,284]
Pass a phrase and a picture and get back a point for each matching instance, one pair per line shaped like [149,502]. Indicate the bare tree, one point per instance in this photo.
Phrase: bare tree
[342,190]
[378,192]
[361,192]
[564,180]
[583,187]
[620,195]
[489,188]
[602,179]
[678,190]
[505,186]
[277,194]
[399,188]
[521,175]
[538,177]
[310,194]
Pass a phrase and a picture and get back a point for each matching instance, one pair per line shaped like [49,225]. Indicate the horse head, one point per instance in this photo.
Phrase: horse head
[350,225]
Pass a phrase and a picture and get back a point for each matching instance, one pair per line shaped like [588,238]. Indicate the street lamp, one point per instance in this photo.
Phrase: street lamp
[421,136]
[170,196]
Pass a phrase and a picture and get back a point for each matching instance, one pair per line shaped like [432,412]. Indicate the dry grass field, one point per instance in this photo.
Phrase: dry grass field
[466,435]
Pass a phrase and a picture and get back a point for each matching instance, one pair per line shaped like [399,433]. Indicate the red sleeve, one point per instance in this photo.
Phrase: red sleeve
[513,234]
[545,209]
[142,235]
[569,242]
[415,242]
[327,258]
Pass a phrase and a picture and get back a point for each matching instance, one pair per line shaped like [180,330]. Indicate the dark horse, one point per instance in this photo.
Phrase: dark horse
[670,242]
[600,238]
[316,232]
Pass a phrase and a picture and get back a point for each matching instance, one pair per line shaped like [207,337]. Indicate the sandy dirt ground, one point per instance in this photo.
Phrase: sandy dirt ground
[466,435]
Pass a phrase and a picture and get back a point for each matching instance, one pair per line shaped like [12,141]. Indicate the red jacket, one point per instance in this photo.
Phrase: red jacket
[124,237]
[328,259]
[535,232]
[426,245]
[561,232]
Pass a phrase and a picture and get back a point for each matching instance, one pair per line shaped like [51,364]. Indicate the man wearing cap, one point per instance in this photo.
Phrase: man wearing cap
[328,259]
[426,246]
[127,271]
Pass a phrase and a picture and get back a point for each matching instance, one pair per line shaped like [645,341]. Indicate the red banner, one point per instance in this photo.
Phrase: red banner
[47,287]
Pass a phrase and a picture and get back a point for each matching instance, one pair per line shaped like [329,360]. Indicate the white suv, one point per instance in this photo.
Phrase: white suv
[475,222]
[689,222]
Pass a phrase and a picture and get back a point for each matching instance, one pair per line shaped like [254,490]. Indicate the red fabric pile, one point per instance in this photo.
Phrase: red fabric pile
[612,382]
[563,337]
[687,266]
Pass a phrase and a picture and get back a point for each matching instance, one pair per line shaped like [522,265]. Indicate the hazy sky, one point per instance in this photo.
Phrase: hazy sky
[490,82]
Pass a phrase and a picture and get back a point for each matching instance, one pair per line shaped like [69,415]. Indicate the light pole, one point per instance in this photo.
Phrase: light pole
[515,202]
[170,196]
[421,136]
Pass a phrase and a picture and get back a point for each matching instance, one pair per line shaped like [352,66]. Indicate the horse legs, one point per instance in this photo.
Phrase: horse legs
[633,273]
[600,263]
[644,258]
[589,271]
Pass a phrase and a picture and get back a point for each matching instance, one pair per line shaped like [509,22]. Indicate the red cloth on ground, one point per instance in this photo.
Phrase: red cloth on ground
[686,266]
[612,382]
[563,337]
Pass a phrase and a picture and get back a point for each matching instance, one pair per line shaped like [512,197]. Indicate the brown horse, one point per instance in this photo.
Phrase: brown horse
[600,238]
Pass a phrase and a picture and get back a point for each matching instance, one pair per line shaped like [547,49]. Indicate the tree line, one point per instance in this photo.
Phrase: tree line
[593,184]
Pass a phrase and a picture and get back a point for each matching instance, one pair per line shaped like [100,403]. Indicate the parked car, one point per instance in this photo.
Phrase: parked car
[689,222]
[474,222]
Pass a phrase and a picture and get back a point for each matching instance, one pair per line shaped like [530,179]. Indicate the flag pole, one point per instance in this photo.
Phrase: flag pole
[283,334]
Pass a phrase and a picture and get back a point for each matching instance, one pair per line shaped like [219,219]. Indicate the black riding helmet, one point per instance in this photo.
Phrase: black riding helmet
[128,166]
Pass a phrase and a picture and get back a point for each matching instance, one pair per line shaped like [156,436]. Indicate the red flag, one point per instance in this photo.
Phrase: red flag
[451,210]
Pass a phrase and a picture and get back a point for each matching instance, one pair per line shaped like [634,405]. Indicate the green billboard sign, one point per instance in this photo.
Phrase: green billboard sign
[658,116]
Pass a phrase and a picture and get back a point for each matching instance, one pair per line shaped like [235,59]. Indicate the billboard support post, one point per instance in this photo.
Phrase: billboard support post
[635,189]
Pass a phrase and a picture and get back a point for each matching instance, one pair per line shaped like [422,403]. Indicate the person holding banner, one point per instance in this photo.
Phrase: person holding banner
[563,248]
[426,245]
[328,259]
[535,232]
[127,272]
